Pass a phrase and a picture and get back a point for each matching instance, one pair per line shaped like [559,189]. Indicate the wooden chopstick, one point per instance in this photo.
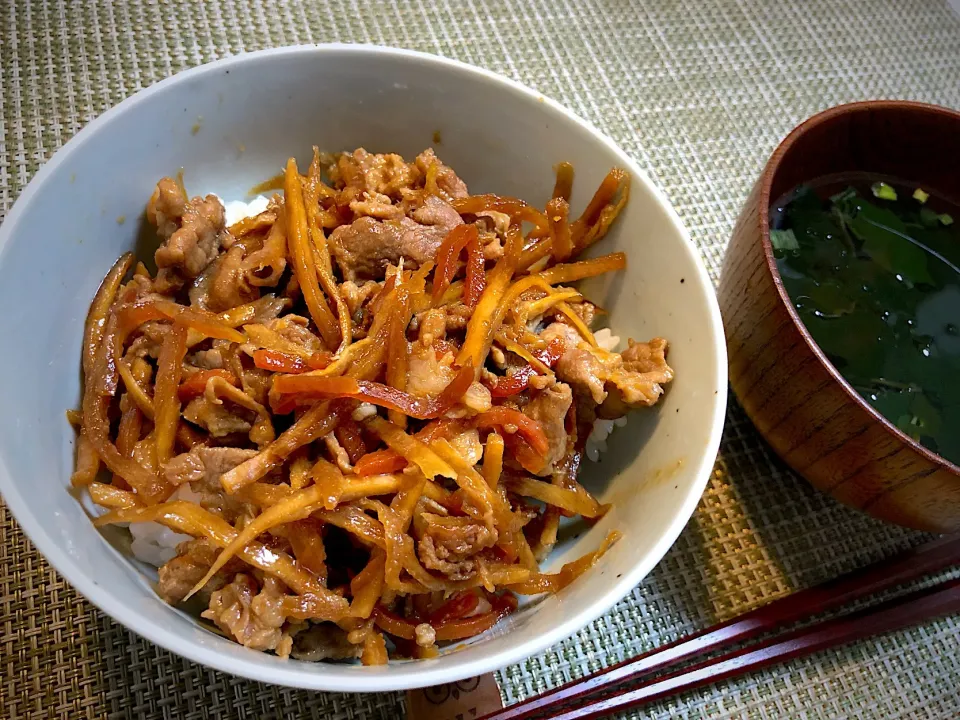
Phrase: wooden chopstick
[941,599]
[910,565]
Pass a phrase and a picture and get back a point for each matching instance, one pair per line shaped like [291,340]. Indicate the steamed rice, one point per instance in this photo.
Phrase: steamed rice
[156,544]
[597,441]
[236,210]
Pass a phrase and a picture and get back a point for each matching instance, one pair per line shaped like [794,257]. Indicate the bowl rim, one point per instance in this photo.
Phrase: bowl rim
[402,675]
[766,183]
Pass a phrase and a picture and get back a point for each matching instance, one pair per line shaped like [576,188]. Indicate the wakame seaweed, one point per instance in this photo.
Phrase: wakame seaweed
[873,268]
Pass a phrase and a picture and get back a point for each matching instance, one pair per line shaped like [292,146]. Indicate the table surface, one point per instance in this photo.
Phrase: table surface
[699,93]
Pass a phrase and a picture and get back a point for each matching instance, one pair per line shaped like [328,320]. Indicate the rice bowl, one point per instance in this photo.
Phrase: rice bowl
[365,85]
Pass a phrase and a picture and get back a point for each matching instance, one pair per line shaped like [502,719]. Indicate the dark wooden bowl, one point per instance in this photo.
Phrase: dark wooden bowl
[801,405]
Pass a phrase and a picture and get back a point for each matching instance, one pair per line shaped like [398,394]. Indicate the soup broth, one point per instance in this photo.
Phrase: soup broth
[872,267]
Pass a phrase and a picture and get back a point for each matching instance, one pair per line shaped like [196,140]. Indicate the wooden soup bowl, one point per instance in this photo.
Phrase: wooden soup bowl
[798,401]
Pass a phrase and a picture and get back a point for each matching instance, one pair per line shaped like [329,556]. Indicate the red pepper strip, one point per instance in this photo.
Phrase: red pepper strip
[551,353]
[279,361]
[379,463]
[447,256]
[387,461]
[455,608]
[519,380]
[468,627]
[476,279]
[524,454]
[313,386]
[320,360]
[449,630]
[512,384]
[394,624]
[197,383]
[282,405]
[527,427]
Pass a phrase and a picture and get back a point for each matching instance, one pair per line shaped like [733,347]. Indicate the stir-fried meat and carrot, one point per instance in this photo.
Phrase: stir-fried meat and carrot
[366,406]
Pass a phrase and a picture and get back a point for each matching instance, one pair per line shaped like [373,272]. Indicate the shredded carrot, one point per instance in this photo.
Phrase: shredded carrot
[563,187]
[166,401]
[195,385]
[87,463]
[97,316]
[112,497]
[460,605]
[451,630]
[575,502]
[367,586]
[411,448]
[493,459]
[374,650]
[490,308]
[301,253]
[601,198]
[200,320]
[535,252]
[558,211]
[307,545]
[398,351]
[96,425]
[551,583]
[319,420]
[584,268]
[518,210]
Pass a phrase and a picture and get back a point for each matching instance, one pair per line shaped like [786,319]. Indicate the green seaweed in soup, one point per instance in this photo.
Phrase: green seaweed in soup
[873,269]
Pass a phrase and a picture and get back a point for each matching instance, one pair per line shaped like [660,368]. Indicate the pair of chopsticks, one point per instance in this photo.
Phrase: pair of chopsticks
[654,676]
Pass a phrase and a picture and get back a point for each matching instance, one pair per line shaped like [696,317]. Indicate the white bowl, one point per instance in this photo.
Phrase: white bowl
[231,124]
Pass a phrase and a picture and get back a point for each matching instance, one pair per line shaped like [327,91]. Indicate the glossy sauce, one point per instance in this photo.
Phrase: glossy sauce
[873,269]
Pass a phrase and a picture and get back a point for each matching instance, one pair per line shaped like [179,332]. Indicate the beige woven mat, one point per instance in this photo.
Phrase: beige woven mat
[699,93]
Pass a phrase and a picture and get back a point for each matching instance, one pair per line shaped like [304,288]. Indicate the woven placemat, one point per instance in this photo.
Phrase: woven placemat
[699,93]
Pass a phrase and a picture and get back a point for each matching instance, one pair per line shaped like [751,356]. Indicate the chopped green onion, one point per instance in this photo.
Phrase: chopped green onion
[883,191]
[920,196]
[784,240]
[946,219]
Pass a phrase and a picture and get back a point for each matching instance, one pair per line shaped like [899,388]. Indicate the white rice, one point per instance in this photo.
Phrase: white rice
[156,544]
[597,440]
[237,210]
[607,340]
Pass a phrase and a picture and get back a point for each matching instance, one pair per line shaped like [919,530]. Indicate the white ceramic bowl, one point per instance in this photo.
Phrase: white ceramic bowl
[231,124]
